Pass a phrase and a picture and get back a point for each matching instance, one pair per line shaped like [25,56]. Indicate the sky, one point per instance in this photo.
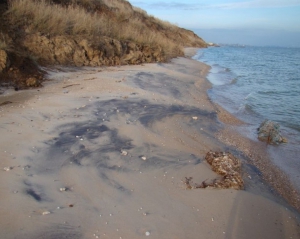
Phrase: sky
[249,22]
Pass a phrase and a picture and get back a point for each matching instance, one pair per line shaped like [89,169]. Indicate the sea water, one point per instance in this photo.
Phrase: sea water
[257,83]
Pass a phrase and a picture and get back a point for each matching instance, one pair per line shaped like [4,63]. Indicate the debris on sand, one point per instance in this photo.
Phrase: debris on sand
[5,103]
[63,189]
[124,153]
[7,168]
[188,182]
[269,132]
[229,167]
[224,164]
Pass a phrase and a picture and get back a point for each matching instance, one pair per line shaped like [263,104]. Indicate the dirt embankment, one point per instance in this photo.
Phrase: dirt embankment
[62,50]
[81,33]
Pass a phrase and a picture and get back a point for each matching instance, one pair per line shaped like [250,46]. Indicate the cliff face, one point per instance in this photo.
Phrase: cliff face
[82,33]
[62,50]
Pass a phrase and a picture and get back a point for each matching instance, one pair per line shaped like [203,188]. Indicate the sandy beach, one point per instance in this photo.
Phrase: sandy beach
[104,152]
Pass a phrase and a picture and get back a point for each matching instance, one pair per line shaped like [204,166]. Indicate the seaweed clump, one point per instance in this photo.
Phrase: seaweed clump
[227,166]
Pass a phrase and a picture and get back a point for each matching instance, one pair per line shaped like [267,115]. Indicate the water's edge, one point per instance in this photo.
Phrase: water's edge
[286,183]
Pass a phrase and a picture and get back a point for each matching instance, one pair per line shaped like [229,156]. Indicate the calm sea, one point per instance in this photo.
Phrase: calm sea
[257,83]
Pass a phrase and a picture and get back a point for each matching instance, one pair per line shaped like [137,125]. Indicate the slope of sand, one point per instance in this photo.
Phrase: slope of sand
[103,153]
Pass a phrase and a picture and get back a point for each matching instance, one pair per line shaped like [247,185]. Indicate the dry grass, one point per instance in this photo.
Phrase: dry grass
[118,4]
[166,24]
[3,45]
[54,19]
[4,42]
[141,11]
[41,16]
[162,23]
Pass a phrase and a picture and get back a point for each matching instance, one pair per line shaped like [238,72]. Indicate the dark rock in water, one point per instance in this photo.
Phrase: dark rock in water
[269,132]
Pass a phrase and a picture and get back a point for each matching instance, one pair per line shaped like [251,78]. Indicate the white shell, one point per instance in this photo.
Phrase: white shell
[123,152]
[147,233]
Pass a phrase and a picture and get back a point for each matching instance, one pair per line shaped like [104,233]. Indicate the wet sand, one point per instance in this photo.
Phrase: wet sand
[103,153]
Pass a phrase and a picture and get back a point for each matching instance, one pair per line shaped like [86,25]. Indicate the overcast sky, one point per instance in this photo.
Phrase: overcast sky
[253,22]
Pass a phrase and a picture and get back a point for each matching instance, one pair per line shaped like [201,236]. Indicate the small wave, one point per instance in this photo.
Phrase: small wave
[295,127]
[247,109]
[242,108]
[222,69]
[250,95]
[267,92]
[198,56]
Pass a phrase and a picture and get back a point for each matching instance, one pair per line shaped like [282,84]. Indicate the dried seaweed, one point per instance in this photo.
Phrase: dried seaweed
[224,164]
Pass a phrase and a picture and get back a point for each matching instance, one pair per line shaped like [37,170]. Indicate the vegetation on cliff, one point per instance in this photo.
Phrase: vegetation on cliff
[82,33]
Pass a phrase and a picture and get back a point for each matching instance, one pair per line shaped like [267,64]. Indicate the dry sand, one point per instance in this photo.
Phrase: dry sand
[103,153]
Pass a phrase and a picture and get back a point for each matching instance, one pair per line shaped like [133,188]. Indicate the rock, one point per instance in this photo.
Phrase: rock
[64,49]
[41,47]
[128,57]
[4,61]
[131,46]
[269,132]
[79,58]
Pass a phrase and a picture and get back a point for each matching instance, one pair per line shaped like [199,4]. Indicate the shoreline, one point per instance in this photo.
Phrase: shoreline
[236,89]
[259,154]
[65,145]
